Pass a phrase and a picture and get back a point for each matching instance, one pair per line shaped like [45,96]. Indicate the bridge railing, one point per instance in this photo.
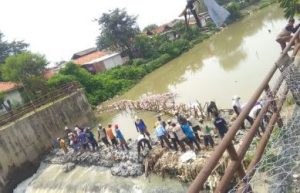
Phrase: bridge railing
[32,106]
[235,166]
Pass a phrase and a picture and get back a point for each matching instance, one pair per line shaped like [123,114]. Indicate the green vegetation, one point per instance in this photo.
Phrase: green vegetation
[10,48]
[117,31]
[151,53]
[290,7]
[26,68]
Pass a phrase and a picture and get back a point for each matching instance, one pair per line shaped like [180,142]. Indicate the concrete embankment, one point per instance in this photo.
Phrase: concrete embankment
[24,141]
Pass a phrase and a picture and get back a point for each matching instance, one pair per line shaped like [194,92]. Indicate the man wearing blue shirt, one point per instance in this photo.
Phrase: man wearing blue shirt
[161,135]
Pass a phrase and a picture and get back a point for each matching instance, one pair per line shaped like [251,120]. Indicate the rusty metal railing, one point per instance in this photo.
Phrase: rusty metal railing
[236,156]
[49,97]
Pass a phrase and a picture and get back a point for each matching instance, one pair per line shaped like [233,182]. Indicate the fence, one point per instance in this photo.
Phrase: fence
[52,96]
[235,165]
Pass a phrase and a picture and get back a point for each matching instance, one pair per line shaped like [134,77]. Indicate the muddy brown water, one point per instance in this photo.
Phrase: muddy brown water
[232,62]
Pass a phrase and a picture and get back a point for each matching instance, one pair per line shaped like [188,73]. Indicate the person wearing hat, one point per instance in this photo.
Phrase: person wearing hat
[102,136]
[237,107]
[141,127]
[121,138]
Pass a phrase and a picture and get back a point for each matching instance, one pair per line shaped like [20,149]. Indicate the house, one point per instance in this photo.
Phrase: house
[12,94]
[166,30]
[96,61]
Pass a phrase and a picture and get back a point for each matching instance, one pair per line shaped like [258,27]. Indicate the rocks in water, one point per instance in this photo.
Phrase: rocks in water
[68,167]
[128,168]
[122,163]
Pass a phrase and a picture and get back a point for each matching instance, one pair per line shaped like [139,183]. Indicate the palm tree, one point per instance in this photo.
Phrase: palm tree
[290,7]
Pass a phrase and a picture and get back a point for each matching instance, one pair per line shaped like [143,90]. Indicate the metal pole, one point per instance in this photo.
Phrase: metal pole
[233,166]
[263,142]
[199,181]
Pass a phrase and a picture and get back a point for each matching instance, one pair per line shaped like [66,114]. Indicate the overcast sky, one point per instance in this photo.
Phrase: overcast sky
[59,28]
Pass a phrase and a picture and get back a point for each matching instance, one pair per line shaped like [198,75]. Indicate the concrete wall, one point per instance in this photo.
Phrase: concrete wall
[25,141]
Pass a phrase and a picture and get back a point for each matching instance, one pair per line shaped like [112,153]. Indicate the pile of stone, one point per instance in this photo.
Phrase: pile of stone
[121,163]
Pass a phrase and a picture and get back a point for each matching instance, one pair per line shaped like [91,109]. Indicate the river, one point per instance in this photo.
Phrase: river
[232,62]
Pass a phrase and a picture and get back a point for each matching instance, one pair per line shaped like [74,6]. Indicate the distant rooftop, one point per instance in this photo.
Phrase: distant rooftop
[9,86]
[83,53]
[103,58]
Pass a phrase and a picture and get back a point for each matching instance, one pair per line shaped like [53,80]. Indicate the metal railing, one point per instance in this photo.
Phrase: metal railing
[235,165]
[52,96]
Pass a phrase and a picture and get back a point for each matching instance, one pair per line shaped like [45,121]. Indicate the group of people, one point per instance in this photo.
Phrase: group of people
[83,139]
[184,131]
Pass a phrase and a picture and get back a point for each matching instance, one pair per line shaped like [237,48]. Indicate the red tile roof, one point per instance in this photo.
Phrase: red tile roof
[90,57]
[9,86]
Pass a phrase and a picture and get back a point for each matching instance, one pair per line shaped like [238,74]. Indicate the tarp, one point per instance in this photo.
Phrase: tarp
[216,12]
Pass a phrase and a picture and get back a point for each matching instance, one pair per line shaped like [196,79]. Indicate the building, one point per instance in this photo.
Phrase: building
[166,30]
[96,61]
[12,94]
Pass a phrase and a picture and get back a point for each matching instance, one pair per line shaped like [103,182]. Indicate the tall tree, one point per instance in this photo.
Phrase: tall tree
[117,30]
[10,48]
[290,7]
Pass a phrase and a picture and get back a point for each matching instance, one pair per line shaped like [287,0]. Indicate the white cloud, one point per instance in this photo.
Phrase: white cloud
[58,28]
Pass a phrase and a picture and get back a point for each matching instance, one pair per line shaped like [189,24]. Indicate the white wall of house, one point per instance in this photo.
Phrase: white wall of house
[113,61]
[15,99]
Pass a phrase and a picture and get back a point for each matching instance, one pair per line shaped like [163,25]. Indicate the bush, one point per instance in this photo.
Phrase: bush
[234,9]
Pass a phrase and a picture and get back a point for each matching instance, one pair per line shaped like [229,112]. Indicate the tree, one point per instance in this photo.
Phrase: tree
[10,48]
[118,29]
[290,7]
[144,46]
[28,69]
[150,27]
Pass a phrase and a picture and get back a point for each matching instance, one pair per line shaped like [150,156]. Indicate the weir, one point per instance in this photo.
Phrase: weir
[276,98]
[24,141]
